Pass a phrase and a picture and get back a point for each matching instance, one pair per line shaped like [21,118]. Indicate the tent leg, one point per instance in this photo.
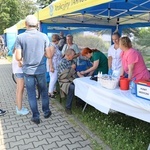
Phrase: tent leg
[84,107]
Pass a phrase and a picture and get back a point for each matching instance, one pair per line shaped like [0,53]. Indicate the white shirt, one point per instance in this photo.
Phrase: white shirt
[116,59]
[73,46]
[15,67]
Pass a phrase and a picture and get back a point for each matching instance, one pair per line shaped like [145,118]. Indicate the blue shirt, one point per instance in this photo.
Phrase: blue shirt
[32,44]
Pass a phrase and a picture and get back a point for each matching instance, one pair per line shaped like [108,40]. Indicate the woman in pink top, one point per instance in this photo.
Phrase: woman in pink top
[132,61]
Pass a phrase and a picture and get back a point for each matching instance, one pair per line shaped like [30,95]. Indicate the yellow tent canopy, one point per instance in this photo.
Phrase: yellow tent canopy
[60,7]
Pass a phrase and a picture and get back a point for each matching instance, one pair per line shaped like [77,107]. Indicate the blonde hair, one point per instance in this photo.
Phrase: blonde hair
[126,42]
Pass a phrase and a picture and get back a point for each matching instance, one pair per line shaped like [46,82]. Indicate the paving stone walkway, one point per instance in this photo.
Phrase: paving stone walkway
[19,133]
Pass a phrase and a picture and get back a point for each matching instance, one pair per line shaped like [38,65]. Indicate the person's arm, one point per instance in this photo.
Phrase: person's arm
[18,55]
[77,51]
[61,43]
[130,72]
[47,52]
[109,62]
[18,50]
[47,48]
[92,69]
[64,49]
[20,63]
[121,71]
[76,55]
[52,51]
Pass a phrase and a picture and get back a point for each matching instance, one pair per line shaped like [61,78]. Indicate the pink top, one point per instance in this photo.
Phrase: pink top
[133,56]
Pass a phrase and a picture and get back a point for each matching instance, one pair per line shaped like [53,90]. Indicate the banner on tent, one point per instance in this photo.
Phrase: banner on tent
[62,7]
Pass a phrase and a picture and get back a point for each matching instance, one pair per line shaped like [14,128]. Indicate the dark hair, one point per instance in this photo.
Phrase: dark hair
[117,34]
[69,35]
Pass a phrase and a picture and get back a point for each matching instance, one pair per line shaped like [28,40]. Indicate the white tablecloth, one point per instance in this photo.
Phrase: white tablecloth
[104,99]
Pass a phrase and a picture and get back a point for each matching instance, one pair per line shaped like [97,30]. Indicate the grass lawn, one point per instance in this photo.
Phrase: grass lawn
[118,131]
[9,58]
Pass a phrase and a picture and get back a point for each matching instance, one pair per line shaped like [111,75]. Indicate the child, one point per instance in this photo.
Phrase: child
[17,70]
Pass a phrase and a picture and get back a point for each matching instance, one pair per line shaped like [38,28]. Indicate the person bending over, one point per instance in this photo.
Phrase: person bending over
[98,59]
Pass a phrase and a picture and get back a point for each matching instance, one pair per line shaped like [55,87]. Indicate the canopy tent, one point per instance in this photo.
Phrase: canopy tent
[11,34]
[98,13]
[69,6]
[78,15]
[60,7]
[10,37]
[112,14]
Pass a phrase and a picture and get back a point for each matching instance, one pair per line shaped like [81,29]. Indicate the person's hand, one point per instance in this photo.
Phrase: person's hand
[51,69]
[82,72]
[110,71]
[79,74]
[73,66]
[20,63]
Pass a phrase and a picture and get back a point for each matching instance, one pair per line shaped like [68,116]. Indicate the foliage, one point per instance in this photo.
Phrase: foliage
[44,3]
[90,41]
[13,11]
[131,32]
[143,37]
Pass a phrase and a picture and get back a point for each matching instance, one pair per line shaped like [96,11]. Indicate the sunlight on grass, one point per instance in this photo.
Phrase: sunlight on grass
[9,58]
[118,131]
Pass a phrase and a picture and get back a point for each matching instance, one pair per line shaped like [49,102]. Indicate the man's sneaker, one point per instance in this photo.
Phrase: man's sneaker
[2,112]
[68,111]
[22,111]
[36,121]
[48,115]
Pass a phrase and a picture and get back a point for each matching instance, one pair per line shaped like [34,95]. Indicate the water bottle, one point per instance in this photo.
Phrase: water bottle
[132,86]
[98,76]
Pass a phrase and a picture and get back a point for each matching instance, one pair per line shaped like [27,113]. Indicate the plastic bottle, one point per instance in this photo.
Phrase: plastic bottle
[132,86]
[98,77]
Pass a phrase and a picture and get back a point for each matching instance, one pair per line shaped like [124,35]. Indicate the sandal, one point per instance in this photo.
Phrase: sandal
[51,95]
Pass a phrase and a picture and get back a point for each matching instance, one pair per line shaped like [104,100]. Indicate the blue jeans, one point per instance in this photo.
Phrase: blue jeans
[30,82]
[19,75]
[70,96]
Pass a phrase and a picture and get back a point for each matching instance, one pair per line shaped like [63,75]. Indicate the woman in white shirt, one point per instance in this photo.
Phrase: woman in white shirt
[114,57]
[17,70]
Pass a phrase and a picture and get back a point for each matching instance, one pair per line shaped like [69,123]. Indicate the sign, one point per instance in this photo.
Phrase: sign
[61,7]
[143,91]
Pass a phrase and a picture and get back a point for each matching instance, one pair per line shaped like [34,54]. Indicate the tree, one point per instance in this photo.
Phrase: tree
[90,41]
[44,3]
[12,11]
[143,37]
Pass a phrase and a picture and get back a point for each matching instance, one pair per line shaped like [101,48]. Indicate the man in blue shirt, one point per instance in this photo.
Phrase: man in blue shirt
[31,47]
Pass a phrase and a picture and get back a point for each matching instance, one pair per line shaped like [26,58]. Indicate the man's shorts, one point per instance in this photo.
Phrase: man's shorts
[19,75]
